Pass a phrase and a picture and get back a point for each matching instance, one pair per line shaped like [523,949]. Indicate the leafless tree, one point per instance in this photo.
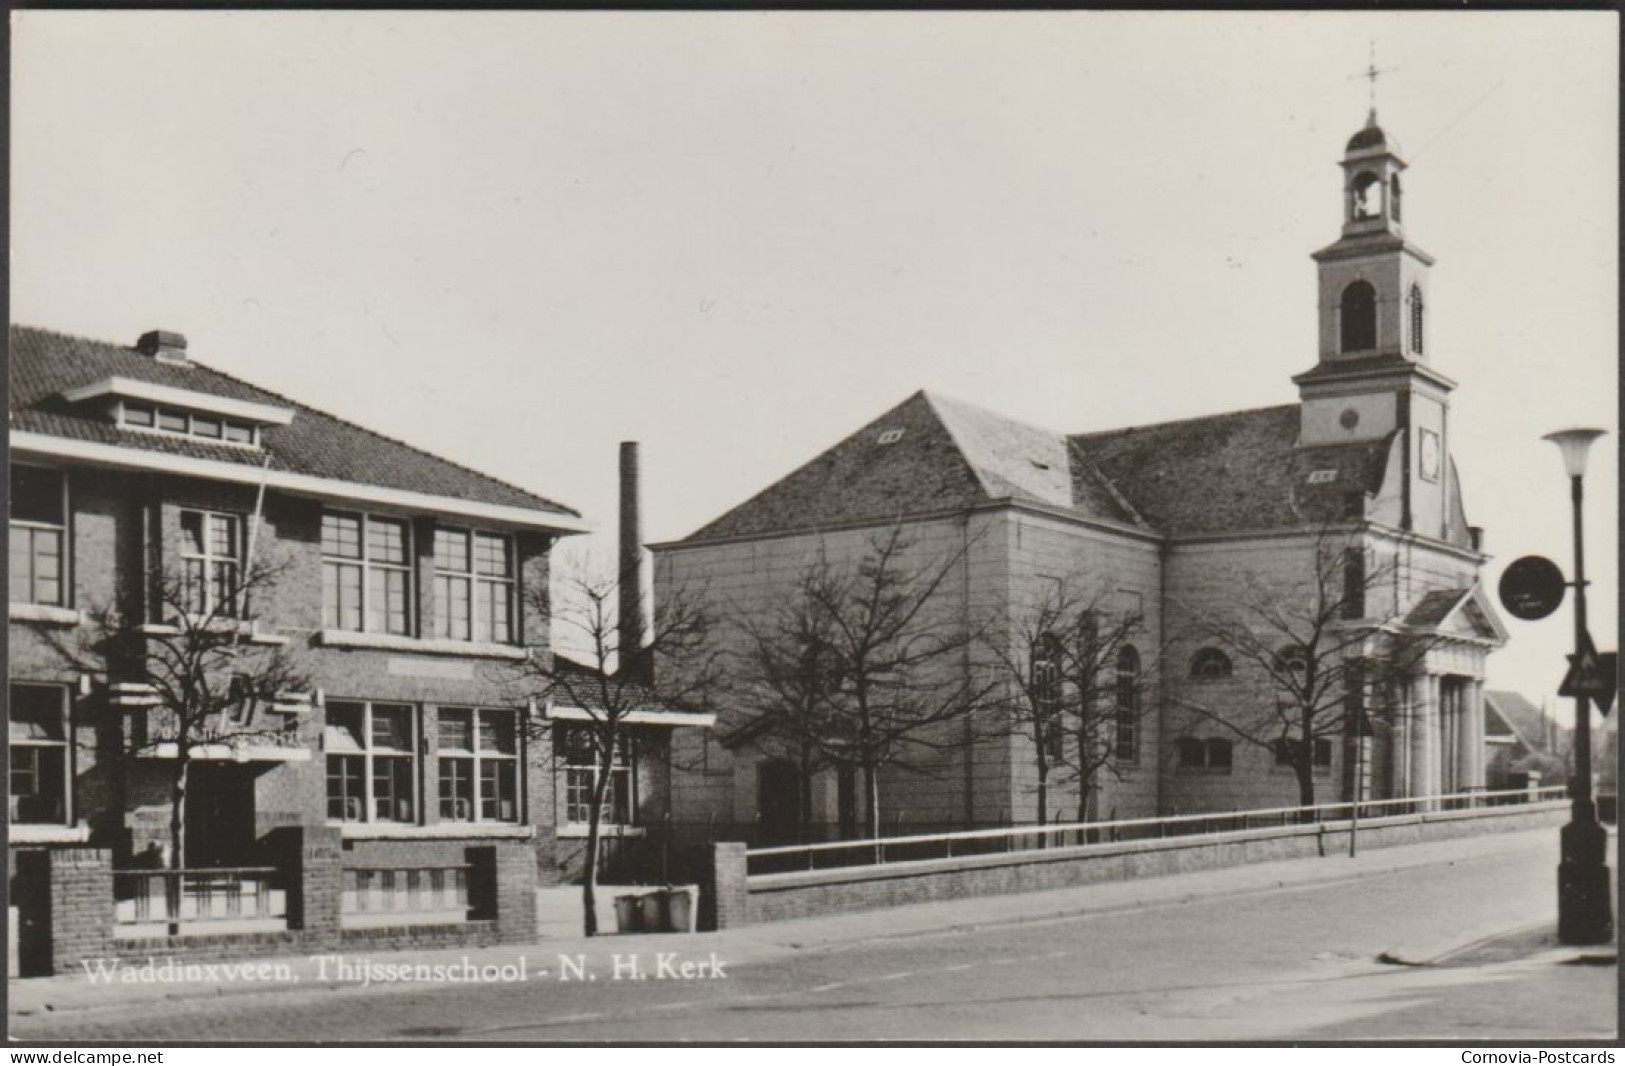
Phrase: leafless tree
[1312,659]
[783,680]
[866,662]
[675,667]
[211,683]
[1071,673]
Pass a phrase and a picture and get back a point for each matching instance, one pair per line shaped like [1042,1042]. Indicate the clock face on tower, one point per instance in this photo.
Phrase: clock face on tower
[1428,454]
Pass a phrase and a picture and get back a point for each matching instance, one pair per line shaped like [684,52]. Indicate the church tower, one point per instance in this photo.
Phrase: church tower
[1374,379]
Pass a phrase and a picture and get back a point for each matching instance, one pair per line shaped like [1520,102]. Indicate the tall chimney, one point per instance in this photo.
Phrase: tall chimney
[631,604]
[164,345]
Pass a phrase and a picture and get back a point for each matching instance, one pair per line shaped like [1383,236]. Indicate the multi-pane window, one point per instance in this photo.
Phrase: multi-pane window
[1417,319]
[1046,696]
[1214,753]
[366,574]
[1354,583]
[38,720]
[38,536]
[1127,748]
[187,424]
[473,586]
[578,750]
[1286,751]
[479,765]
[371,762]
[211,553]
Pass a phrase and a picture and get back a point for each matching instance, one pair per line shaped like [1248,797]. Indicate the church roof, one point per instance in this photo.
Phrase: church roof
[1231,472]
[929,453]
[1225,473]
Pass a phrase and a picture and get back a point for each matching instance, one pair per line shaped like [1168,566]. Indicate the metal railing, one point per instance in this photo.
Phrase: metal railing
[929,846]
[213,894]
[373,894]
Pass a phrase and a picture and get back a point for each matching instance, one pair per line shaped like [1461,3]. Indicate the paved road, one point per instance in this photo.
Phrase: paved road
[1272,963]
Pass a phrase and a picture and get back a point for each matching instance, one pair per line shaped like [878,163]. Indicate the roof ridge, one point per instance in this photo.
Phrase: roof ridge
[822,452]
[1182,421]
[959,445]
[207,369]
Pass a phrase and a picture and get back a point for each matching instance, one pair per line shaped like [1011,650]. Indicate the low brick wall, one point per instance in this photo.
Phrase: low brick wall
[774,897]
[66,907]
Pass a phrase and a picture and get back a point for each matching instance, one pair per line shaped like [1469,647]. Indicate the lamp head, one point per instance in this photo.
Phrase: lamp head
[1575,444]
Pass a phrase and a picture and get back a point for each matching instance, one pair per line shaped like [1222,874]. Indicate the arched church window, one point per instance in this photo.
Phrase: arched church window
[1359,317]
[1367,195]
[1127,747]
[1393,192]
[1210,663]
[1417,319]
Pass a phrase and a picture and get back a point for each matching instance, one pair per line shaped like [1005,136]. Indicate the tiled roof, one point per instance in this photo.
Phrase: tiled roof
[1519,717]
[1232,472]
[45,364]
[940,454]
[862,480]
[1435,607]
[1225,473]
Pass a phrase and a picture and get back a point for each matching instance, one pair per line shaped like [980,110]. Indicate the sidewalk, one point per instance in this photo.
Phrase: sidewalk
[559,910]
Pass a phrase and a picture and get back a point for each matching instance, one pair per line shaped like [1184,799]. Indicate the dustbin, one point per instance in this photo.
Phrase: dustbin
[628,915]
[680,910]
[654,912]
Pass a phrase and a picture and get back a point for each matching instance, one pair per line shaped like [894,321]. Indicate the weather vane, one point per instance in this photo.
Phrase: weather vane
[1371,74]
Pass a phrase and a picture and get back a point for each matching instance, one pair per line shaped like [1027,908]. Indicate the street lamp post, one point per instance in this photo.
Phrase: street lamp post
[1584,913]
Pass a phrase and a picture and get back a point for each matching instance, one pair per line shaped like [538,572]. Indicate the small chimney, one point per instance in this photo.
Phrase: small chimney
[166,346]
[1476,535]
[630,608]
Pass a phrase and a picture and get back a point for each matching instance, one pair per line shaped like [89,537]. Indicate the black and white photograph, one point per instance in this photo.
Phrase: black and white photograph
[813,527]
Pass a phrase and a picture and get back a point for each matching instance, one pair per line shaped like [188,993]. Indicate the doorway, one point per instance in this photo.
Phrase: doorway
[219,815]
[778,801]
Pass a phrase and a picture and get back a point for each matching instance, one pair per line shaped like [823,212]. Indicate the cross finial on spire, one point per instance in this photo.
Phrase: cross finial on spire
[1371,74]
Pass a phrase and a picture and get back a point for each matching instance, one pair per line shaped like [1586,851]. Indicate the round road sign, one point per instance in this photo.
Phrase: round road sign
[1532,587]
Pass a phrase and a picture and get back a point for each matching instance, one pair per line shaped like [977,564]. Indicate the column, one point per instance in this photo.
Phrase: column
[1425,735]
[1475,734]
[1399,740]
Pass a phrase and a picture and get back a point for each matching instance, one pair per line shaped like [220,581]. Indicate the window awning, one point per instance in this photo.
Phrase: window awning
[230,753]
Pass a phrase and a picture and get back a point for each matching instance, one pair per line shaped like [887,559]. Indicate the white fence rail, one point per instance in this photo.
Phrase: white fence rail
[926,846]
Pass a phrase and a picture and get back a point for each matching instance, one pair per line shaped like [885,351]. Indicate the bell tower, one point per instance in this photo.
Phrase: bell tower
[1373,379]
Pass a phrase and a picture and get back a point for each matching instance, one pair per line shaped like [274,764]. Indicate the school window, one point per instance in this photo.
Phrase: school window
[187,424]
[578,750]
[211,554]
[473,586]
[1127,747]
[38,730]
[371,762]
[39,518]
[479,765]
[366,574]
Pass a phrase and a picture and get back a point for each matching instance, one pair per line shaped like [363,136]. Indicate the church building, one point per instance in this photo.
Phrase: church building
[1188,534]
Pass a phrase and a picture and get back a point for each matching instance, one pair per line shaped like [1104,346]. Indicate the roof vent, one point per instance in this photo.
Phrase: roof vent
[1039,463]
[1323,477]
[164,345]
[891,436]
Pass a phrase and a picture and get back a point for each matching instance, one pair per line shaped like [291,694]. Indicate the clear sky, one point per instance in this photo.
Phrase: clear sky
[519,238]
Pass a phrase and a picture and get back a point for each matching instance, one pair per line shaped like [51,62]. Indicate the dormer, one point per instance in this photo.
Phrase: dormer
[149,407]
